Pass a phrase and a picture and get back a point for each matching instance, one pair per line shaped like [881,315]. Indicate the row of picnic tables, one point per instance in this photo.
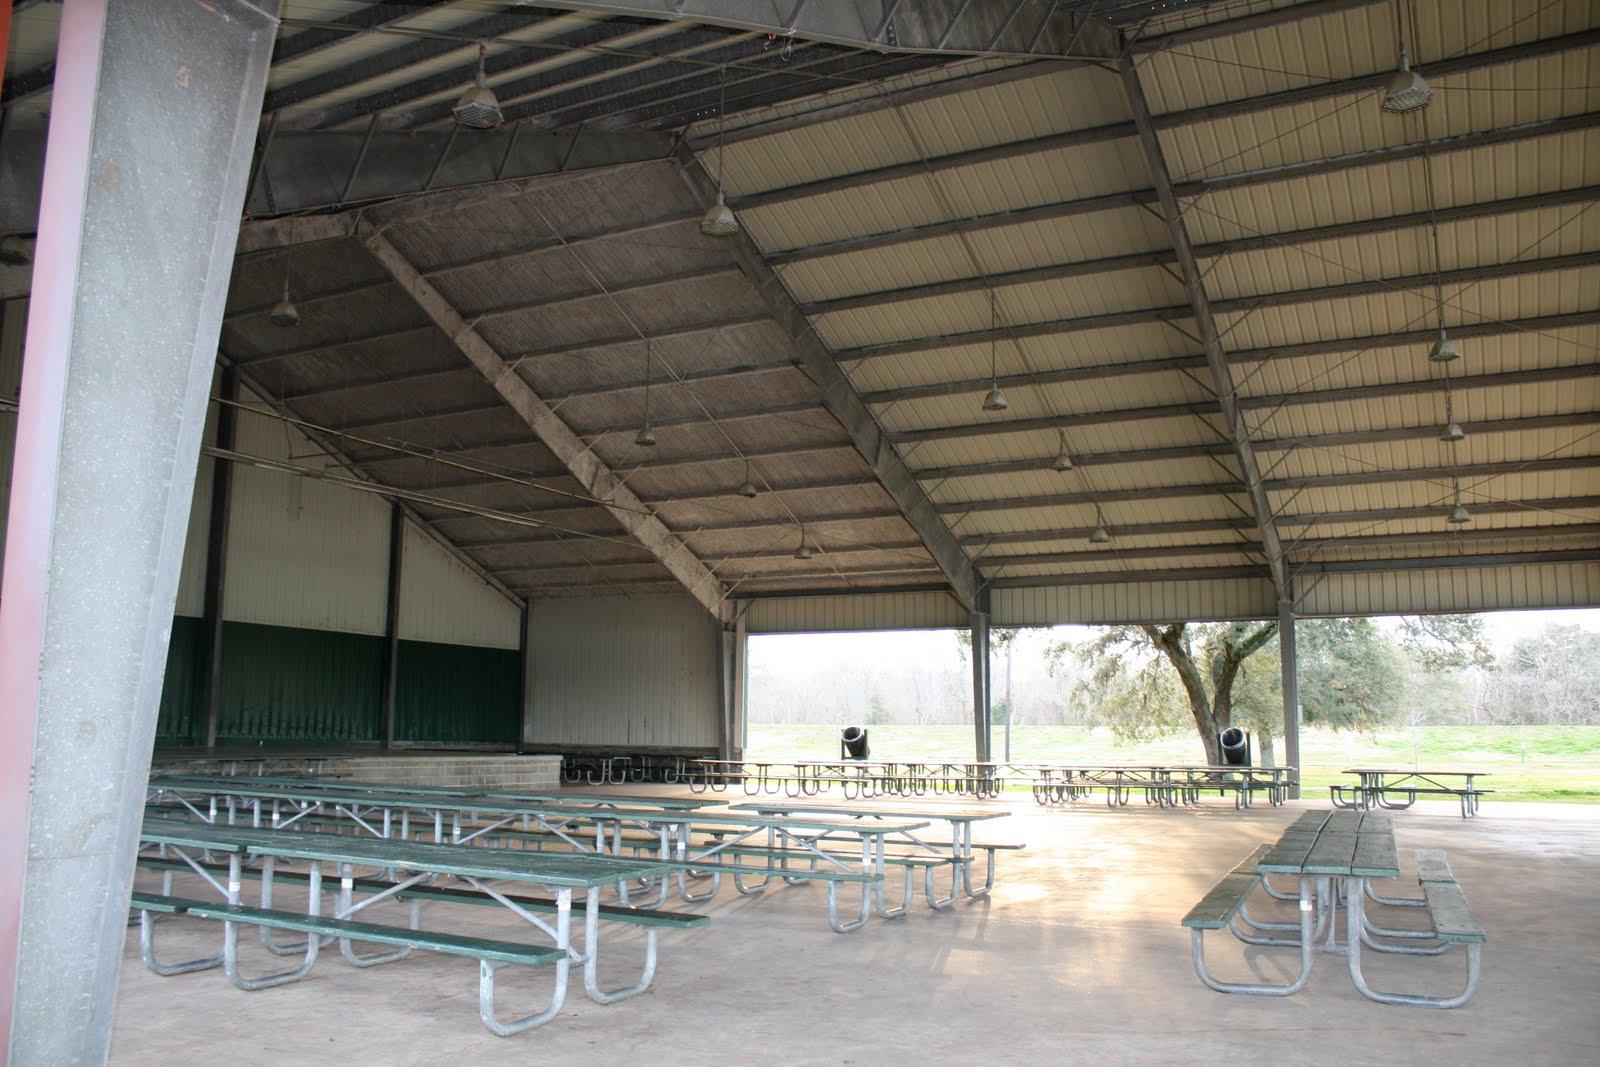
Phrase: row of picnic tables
[409,840]
[1164,785]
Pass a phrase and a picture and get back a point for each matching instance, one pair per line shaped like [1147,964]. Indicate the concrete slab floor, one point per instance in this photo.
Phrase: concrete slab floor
[1077,958]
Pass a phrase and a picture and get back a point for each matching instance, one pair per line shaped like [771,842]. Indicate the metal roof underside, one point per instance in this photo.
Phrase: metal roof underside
[932,224]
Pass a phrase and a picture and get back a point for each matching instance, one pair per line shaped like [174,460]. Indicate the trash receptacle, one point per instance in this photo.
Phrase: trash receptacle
[1235,746]
[853,742]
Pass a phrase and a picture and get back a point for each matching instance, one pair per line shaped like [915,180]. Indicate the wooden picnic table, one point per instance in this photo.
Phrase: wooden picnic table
[960,820]
[416,864]
[1377,783]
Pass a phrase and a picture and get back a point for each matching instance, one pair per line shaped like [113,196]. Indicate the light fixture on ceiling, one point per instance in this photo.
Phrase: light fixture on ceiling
[719,219]
[646,437]
[804,551]
[1099,535]
[748,489]
[994,399]
[1459,515]
[284,313]
[478,109]
[1407,90]
[1452,429]
[1063,461]
[1444,350]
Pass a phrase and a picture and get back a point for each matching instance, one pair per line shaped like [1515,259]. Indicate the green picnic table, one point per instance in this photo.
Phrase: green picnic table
[1334,857]
[417,866]
[960,847]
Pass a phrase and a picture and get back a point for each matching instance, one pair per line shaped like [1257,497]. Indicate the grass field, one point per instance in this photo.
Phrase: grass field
[1524,762]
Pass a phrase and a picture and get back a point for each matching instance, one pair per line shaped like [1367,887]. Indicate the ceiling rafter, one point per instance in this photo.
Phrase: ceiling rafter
[595,476]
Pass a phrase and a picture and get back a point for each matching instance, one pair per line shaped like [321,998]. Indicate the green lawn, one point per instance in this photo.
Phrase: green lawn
[1525,762]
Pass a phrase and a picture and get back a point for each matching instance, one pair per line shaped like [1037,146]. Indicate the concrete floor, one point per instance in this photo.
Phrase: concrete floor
[1077,958]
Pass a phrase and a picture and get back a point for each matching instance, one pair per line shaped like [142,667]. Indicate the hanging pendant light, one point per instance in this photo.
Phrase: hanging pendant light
[478,108]
[284,313]
[1099,535]
[1407,90]
[719,219]
[1452,429]
[1063,461]
[646,437]
[804,551]
[994,399]
[1444,350]
[1459,516]
[748,490]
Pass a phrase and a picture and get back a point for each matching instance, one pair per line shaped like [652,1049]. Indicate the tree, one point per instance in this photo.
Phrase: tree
[1133,690]
[1447,642]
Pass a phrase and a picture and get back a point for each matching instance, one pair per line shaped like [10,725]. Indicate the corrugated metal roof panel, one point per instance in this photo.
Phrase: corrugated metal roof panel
[879,611]
[1229,598]
[1551,585]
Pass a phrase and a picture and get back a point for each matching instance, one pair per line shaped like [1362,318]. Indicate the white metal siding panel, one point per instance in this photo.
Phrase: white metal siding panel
[441,600]
[879,611]
[302,553]
[1239,598]
[624,671]
[1550,585]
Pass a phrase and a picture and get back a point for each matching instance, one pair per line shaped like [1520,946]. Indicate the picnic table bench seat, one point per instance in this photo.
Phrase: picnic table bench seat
[1217,908]
[676,920]
[490,953]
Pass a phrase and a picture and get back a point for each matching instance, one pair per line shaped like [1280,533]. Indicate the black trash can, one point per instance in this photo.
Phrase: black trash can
[1235,746]
[853,742]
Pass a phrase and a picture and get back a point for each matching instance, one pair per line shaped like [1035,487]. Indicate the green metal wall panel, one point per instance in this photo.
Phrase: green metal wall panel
[178,722]
[282,684]
[457,693]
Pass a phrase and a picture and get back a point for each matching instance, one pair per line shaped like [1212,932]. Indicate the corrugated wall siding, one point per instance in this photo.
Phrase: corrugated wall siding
[178,721]
[625,672]
[303,553]
[1551,585]
[441,600]
[455,694]
[1142,602]
[282,684]
[866,611]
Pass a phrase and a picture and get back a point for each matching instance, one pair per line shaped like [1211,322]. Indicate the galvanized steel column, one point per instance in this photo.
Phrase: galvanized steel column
[217,558]
[732,677]
[1291,693]
[391,625]
[980,685]
[152,119]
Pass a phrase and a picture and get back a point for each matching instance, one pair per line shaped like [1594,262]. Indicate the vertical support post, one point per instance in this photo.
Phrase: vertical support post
[530,674]
[980,684]
[1291,693]
[152,117]
[391,625]
[727,665]
[525,673]
[731,682]
[217,558]
[741,685]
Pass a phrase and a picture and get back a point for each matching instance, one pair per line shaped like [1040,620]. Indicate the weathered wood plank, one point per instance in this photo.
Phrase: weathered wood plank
[1452,919]
[1333,853]
[1216,908]
[1432,866]
[1376,856]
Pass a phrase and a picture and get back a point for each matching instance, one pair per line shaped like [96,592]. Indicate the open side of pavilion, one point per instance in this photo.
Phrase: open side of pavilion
[385,437]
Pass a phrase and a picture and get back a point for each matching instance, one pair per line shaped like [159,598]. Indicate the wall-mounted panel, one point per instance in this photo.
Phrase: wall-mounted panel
[178,721]
[457,694]
[1134,602]
[629,672]
[303,553]
[931,610]
[286,685]
[441,600]
[1454,589]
